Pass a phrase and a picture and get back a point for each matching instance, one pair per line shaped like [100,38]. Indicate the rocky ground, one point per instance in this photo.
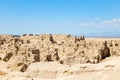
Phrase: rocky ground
[59,57]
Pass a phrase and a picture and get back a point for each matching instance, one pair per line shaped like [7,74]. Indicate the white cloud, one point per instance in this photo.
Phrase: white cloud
[101,23]
[96,19]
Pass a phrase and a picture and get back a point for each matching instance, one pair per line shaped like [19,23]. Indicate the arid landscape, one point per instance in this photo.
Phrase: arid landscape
[59,57]
[59,39]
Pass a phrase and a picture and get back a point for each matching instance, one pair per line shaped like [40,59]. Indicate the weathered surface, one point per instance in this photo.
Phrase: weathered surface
[49,56]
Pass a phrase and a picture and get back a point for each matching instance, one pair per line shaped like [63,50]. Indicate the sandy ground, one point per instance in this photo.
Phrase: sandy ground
[108,69]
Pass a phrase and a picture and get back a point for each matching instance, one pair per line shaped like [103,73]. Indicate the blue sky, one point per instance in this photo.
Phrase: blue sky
[59,16]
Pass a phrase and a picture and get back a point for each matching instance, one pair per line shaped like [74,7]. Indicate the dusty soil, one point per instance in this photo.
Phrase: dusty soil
[59,57]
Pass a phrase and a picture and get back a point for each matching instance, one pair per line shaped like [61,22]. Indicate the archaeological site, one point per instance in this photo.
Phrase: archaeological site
[59,57]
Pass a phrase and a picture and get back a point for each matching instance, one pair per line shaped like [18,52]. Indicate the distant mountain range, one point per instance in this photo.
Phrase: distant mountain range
[105,34]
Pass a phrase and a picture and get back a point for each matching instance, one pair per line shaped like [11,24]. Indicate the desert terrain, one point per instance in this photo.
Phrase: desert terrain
[59,57]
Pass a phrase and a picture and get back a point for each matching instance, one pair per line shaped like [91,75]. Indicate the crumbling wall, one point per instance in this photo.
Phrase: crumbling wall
[65,49]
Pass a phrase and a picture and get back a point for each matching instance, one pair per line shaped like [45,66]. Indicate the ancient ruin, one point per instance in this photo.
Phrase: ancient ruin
[43,54]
